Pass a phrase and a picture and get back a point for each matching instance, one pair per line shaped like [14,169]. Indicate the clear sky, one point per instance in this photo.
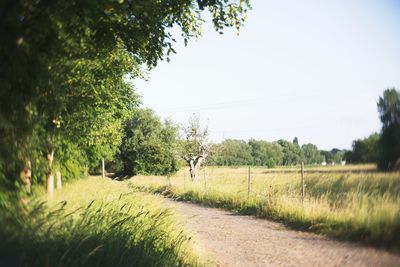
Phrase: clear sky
[307,68]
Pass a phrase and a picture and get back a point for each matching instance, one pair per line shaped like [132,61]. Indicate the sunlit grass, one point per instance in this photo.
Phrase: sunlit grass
[93,222]
[351,202]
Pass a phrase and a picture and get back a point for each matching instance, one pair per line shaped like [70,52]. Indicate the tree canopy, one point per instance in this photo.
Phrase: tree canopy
[65,70]
[148,146]
[389,143]
[364,150]
[311,154]
[292,154]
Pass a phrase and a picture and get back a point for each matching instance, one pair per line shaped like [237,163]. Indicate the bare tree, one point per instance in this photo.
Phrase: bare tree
[195,149]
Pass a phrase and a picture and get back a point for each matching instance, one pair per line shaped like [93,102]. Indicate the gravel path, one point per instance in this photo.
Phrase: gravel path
[235,240]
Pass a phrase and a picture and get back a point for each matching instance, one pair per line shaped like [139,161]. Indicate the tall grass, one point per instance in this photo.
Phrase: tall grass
[353,202]
[92,222]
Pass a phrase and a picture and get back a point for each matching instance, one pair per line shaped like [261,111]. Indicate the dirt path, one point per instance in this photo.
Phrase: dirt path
[234,240]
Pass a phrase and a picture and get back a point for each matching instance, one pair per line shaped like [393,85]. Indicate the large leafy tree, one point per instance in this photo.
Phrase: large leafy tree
[389,143]
[149,146]
[311,154]
[292,153]
[64,65]
[364,150]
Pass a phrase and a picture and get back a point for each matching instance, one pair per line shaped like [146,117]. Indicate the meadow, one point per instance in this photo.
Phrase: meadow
[92,222]
[353,202]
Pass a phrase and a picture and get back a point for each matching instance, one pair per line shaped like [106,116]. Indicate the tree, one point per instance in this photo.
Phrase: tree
[327,156]
[337,155]
[389,143]
[364,150]
[195,147]
[149,146]
[291,152]
[311,154]
[296,141]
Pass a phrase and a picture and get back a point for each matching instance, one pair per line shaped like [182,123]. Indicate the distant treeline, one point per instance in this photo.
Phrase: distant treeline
[284,153]
[263,153]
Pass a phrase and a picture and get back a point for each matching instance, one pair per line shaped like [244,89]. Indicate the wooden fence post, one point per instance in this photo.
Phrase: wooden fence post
[103,171]
[302,182]
[249,185]
[205,181]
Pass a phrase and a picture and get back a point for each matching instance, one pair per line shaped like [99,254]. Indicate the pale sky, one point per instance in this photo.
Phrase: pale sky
[312,69]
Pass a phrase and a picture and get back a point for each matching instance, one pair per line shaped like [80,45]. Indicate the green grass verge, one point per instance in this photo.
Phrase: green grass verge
[92,222]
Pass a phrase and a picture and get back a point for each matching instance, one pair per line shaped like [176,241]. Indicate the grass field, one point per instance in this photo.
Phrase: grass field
[92,222]
[350,202]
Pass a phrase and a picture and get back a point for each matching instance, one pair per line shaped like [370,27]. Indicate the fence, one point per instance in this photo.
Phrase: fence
[205,179]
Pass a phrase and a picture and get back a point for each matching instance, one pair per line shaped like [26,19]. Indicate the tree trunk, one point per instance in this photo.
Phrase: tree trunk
[195,162]
[192,169]
[50,185]
[58,180]
[194,165]
[49,174]
[25,176]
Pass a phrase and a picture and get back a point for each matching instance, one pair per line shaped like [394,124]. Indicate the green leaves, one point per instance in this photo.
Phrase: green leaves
[364,150]
[389,107]
[389,143]
[311,154]
[65,64]
[149,146]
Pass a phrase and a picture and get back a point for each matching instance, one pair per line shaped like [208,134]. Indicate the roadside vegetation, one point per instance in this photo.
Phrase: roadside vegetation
[349,202]
[68,104]
[92,222]
[67,82]
[67,98]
